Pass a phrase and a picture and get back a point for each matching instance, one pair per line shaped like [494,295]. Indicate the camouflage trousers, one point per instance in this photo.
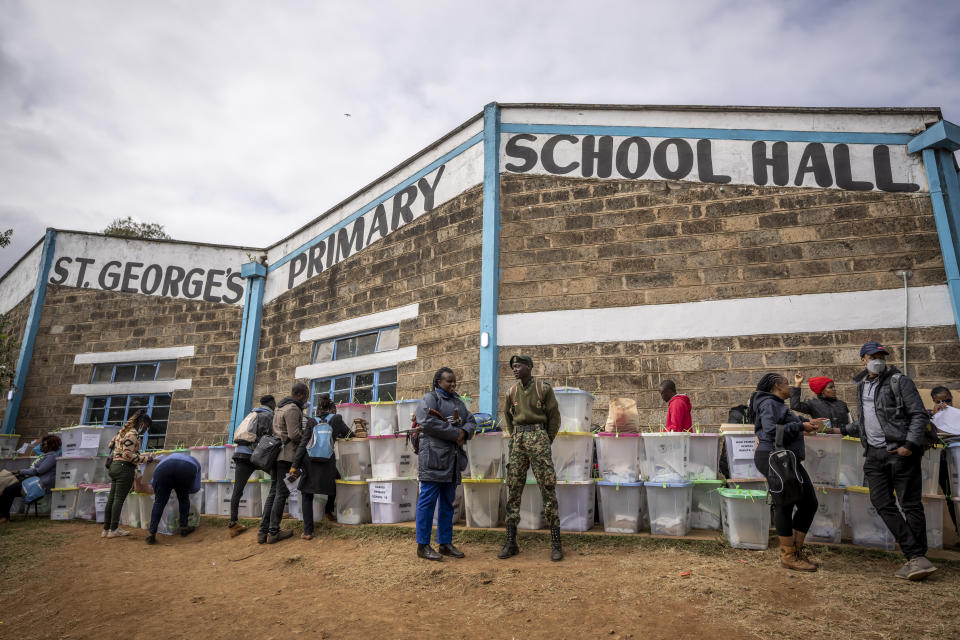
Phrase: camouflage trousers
[531,449]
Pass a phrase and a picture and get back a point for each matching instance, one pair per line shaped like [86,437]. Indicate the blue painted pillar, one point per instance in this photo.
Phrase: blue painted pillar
[937,145]
[30,331]
[256,276]
[490,251]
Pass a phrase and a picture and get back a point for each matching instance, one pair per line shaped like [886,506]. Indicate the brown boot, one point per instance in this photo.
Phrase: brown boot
[790,560]
[803,553]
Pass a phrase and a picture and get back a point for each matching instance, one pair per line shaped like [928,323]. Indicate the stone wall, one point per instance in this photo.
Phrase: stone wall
[582,244]
[17,318]
[81,320]
[433,261]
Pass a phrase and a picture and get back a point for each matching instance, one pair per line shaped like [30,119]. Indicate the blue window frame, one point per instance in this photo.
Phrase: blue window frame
[360,387]
[357,344]
[115,410]
[134,371]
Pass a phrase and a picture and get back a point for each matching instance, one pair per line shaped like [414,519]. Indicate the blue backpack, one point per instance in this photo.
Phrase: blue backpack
[32,489]
[321,442]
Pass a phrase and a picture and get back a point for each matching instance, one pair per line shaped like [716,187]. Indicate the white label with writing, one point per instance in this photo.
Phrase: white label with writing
[90,441]
[381,492]
[743,447]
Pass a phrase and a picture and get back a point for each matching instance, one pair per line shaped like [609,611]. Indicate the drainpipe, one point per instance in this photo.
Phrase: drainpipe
[905,274]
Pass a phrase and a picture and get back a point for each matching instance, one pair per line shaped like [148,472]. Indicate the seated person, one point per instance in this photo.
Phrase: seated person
[44,467]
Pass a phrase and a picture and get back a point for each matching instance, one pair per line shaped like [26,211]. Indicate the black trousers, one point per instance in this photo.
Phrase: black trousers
[276,499]
[886,473]
[176,476]
[243,471]
[795,516]
[7,497]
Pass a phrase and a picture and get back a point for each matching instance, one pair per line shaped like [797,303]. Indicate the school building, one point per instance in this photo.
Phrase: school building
[616,245]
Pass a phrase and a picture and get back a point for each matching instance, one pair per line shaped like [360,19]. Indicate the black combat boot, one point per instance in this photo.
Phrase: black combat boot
[557,553]
[510,547]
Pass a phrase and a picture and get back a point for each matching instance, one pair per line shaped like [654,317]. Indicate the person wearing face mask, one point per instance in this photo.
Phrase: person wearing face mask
[792,520]
[942,398]
[125,456]
[825,405]
[893,422]
[44,467]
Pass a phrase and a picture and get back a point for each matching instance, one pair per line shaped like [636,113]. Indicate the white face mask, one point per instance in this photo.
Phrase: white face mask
[876,367]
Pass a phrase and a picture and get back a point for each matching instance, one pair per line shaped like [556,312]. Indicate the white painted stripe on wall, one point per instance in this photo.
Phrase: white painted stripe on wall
[361,323]
[134,355]
[878,309]
[354,365]
[130,388]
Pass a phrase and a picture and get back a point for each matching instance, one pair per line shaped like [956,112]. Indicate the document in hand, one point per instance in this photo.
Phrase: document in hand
[948,420]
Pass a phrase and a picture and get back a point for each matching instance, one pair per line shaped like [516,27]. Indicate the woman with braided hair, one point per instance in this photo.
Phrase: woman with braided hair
[446,424]
[791,520]
[124,457]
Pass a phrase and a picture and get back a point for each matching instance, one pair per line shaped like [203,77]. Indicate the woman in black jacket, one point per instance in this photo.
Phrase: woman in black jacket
[769,411]
[318,475]
[825,405]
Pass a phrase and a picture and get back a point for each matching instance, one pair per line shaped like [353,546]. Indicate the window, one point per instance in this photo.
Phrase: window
[135,372]
[361,344]
[362,387]
[115,410]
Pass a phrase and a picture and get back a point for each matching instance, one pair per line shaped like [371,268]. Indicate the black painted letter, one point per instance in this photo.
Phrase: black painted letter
[705,164]
[346,243]
[114,278]
[814,160]
[546,156]
[603,156]
[514,150]
[884,171]
[779,161]
[60,271]
[623,157]
[403,209]
[428,189]
[297,265]
[841,163]
[157,273]
[684,159]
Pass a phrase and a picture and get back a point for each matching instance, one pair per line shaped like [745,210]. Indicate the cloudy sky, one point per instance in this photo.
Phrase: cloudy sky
[224,121]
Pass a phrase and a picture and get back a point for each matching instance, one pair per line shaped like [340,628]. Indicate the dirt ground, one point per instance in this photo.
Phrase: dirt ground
[61,580]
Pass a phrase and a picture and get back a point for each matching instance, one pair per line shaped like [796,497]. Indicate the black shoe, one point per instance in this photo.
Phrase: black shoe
[283,534]
[556,554]
[510,547]
[426,552]
[450,550]
[261,537]
[185,531]
[151,539]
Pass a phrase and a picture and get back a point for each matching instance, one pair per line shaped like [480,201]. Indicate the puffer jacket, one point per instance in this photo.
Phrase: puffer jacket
[44,467]
[836,410]
[440,459]
[768,412]
[904,427]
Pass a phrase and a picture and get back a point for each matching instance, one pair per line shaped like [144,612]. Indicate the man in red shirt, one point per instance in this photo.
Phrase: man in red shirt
[678,407]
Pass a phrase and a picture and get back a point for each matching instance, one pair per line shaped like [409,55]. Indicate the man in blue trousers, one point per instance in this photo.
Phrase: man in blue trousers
[177,472]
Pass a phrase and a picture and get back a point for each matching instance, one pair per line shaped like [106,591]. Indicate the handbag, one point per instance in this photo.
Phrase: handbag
[264,456]
[32,489]
[783,480]
[7,479]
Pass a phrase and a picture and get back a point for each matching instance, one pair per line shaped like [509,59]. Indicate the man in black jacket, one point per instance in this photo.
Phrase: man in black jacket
[241,461]
[891,428]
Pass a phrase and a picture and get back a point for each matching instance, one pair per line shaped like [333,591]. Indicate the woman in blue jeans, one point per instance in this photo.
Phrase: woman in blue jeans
[445,425]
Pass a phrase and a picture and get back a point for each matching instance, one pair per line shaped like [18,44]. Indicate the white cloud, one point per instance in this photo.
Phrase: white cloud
[224,121]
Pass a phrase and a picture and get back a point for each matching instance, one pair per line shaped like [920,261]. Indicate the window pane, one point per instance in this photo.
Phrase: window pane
[389,339]
[156,442]
[346,348]
[363,379]
[117,414]
[94,416]
[340,384]
[341,396]
[366,344]
[363,395]
[159,413]
[387,392]
[146,372]
[161,400]
[102,373]
[96,403]
[324,351]
[388,375]
[167,370]
[138,402]
[125,373]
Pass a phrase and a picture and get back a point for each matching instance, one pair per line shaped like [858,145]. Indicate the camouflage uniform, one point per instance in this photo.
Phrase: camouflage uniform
[524,406]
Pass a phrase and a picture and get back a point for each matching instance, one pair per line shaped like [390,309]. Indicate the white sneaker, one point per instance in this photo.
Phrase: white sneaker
[104,533]
[118,533]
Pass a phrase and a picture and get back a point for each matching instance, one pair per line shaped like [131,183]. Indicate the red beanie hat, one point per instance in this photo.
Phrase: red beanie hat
[818,384]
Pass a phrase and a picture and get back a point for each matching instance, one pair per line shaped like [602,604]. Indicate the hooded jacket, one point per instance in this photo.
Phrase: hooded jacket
[902,427]
[817,407]
[440,459]
[768,412]
[287,425]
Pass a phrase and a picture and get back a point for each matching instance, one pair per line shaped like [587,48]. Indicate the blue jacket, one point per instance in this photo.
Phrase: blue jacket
[45,466]
[770,411]
[440,460]
[177,465]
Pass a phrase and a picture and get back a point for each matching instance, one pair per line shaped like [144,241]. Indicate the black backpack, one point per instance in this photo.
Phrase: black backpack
[740,414]
[265,454]
[783,479]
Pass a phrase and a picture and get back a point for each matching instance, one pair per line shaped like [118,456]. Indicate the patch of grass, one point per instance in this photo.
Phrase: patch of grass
[23,541]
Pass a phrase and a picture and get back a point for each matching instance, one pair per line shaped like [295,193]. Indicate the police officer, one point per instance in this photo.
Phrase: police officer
[533,419]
